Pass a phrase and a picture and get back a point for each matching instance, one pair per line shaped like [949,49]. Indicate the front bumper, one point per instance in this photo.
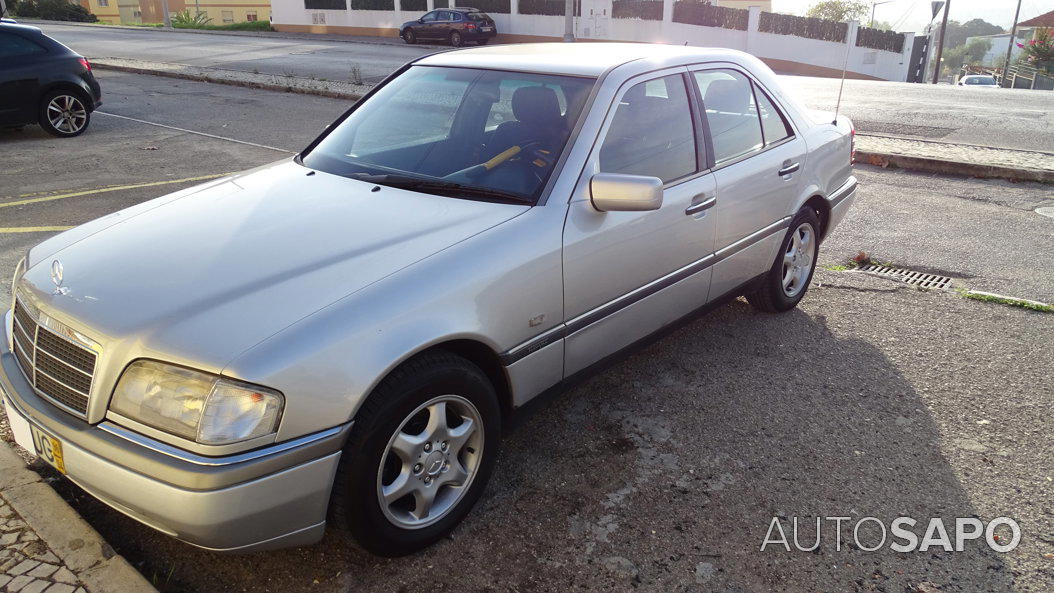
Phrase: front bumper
[271,498]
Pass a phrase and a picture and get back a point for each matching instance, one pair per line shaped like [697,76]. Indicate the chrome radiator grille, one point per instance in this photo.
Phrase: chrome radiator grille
[59,369]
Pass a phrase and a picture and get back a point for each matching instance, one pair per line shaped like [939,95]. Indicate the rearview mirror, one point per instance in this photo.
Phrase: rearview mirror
[615,192]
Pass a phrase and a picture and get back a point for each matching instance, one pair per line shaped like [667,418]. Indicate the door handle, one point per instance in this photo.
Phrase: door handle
[788,168]
[701,206]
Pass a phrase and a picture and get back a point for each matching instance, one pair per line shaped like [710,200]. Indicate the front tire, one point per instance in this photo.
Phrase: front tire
[409,37]
[64,114]
[787,281]
[421,451]
[456,40]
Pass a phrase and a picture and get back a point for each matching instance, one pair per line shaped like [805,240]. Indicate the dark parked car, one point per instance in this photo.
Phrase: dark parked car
[44,82]
[454,25]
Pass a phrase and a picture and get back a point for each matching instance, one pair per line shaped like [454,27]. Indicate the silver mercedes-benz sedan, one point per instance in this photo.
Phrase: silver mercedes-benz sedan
[339,337]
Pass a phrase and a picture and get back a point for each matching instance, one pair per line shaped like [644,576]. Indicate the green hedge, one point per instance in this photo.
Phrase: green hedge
[52,10]
[325,5]
[879,39]
[694,12]
[495,6]
[373,4]
[547,7]
[800,26]
[648,10]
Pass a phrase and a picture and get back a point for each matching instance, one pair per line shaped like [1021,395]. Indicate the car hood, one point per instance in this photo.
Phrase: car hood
[202,277]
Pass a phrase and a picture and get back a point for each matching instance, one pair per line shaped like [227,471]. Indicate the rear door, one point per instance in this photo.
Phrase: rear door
[757,157]
[627,274]
[19,77]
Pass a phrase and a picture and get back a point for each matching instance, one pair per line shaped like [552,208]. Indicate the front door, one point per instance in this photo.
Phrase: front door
[626,274]
[757,158]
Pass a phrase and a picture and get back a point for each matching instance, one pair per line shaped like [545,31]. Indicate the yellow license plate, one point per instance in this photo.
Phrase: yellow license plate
[48,448]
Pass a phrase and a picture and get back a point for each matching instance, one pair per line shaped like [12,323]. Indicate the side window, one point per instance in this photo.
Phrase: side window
[15,45]
[446,15]
[651,132]
[773,124]
[430,17]
[731,113]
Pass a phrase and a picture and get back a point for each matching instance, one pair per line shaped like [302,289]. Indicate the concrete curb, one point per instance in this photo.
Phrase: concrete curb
[950,167]
[272,82]
[65,532]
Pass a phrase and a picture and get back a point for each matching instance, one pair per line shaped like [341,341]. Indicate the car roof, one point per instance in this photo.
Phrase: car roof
[19,28]
[579,59]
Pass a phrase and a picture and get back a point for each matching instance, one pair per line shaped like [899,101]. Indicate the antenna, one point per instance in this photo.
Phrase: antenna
[841,84]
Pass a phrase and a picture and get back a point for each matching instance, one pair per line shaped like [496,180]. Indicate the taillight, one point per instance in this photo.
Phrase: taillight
[84,62]
[470,25]
[852,146]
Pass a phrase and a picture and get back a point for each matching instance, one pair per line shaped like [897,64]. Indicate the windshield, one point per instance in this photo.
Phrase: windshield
[980,80]
[437,129]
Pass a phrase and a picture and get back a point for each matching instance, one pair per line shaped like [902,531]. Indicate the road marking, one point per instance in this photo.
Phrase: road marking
[150,123]
[33,229]
[90,192]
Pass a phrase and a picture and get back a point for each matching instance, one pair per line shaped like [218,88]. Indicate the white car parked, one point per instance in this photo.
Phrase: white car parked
[343,333]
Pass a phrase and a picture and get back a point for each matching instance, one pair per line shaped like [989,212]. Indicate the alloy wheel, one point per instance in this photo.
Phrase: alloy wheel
[67,114]
[798,259]
[430,462]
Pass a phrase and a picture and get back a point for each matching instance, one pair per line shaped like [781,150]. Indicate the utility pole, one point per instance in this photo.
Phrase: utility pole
[940,44]
[1009,46]
[164,14]
[569,20]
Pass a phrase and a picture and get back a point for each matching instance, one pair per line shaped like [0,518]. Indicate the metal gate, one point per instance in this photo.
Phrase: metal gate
[917,66]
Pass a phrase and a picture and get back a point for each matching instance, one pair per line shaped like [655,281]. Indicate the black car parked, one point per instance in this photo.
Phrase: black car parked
[44,82]
[454,25]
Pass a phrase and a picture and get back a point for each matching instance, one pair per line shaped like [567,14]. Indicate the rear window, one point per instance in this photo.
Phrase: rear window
[478,16]
[980,80]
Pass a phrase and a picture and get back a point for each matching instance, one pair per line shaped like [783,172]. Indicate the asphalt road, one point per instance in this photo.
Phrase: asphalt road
[1004,118]
[664,471]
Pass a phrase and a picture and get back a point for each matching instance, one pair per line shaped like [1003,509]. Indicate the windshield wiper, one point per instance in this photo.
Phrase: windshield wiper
[450,188]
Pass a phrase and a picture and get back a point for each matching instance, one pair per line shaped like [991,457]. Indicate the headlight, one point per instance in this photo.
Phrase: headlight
[197,406]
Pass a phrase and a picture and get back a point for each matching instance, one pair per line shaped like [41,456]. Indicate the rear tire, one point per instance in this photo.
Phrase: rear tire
[787,281]
[64,113]
[419,456]
[456,40]
[409,37]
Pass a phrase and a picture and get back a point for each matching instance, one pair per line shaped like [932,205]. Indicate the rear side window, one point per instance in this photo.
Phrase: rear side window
[651,132]
[12,45]
[478,16]
[773,124]
[731,113]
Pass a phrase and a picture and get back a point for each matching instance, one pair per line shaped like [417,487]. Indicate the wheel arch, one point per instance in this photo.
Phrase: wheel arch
[822,207]
[69,86]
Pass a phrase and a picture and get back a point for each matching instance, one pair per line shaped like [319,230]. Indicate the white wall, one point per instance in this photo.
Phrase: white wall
[814,56]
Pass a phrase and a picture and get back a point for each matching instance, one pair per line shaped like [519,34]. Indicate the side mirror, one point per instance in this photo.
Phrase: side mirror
[615,192]
[421,20]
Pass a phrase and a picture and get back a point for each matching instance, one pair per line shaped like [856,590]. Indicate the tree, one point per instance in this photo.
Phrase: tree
[1039,52]
[958,33]
[971,53]
[840,10]
[881,25]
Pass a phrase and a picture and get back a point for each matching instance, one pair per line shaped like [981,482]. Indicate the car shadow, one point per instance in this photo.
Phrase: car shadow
[663,472]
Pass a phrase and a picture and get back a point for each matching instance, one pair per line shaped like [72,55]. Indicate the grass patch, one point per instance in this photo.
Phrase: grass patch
[844,267]
[1008,301]
[246,26]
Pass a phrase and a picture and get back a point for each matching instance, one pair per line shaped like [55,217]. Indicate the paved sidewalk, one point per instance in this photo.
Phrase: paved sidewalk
[963,159]
[46,547]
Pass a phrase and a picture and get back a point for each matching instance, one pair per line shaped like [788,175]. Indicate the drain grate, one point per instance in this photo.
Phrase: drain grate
[920,279]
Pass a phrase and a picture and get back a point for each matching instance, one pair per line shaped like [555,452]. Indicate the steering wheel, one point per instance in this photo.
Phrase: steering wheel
[539,158]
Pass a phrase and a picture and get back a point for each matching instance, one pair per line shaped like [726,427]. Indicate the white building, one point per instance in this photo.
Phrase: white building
[996,54]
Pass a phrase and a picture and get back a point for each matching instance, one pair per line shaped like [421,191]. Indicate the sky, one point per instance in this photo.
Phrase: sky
[913,15]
